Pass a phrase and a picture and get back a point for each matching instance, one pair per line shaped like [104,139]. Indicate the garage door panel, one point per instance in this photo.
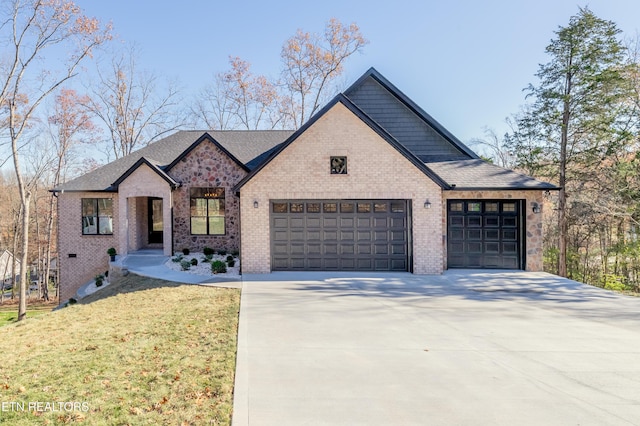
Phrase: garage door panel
[297,263]
[347,236]
[347,249]
[364,249]
[297,249]
[315,263]
[380,222]
[297,222]
[364,235]
[509,235]
[281,263]
[510,222]
[398,249]
[398,236]
[331,235]
[474,234]
[330,264]
[397,222]
[281,235]
[347,264]
[457,221]
[330,249]
[346,222]
[381,236]
[364,264]
[381,249]
[281,223]
[330,222]
[363,222]
[399,265]
[509,248]
[281,249]
[484,234]
[313,222]
[339,235]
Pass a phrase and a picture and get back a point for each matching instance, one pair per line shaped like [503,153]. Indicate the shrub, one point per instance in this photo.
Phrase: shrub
[235,253]
[208,251]
[222,252]
[185,251]
[207,258]
[72,301]
[194,261]
[177,258]
[229,258]
[231,263]
[186,265]
[99,280]
[218,267]
[111,251]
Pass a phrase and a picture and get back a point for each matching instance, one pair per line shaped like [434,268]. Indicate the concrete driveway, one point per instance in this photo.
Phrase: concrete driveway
[464,348]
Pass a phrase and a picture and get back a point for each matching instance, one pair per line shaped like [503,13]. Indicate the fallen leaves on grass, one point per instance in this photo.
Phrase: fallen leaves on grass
[151,352]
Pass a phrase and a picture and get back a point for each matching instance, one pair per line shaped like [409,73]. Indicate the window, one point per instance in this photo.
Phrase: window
[509,207]
[97,216]
[313,207]
[346,207]
[296,207]
[338,165]
[207,211]
[474,207]
[330,207]
[280,207]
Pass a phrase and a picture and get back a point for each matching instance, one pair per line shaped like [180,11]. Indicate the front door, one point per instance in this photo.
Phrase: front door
[156,225]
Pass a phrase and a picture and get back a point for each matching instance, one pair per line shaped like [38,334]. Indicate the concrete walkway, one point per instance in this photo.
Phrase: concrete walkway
[464,348]
[151,263]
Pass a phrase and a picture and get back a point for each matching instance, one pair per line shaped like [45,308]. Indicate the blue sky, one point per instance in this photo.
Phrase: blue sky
[464,61]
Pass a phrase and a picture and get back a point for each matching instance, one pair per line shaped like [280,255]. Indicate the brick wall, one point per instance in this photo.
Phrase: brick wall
[375,171]
[533,222]
[90,250]
[133,193]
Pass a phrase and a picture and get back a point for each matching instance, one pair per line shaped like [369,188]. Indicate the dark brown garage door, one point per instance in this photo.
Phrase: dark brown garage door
[485,234]
[341,235]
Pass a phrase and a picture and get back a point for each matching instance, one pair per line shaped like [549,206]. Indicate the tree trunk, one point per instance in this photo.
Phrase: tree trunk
[47,257]
[26,201]
[562,182]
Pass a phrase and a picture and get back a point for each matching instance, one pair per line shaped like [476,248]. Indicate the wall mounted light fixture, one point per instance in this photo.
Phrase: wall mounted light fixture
[427,204]
[536,208]
[255,204]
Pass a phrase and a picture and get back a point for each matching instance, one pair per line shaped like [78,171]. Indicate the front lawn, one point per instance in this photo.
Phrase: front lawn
[145,351]
[9,312]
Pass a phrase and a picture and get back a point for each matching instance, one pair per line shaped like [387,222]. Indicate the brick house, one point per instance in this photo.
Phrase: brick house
[371,182]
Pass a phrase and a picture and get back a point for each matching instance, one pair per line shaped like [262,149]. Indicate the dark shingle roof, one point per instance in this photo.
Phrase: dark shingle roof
[246,146]
[479,174]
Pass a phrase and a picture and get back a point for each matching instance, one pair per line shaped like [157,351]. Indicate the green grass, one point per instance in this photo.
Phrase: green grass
[9,313]
[143,352]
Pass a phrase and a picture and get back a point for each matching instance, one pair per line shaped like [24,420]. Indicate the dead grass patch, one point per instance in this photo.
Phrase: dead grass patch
[145,352]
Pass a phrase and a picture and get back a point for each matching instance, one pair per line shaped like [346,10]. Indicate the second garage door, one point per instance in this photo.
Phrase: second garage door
[485,234]
[341,235]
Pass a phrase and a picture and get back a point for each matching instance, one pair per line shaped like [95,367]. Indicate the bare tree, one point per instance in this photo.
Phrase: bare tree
[311,66]
[129,104]
[312,62]
[31,28]
[68,123]
[238,99]
[495,148]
